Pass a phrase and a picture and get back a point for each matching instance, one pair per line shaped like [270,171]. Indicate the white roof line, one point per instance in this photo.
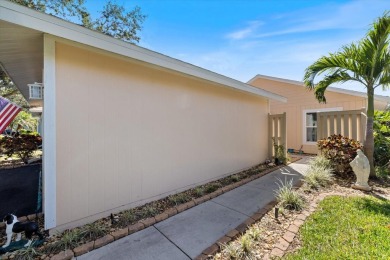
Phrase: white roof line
[26,17]
[333,89]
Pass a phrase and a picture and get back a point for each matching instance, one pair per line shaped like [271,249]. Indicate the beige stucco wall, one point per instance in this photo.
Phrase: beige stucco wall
[127,133]
[300,99]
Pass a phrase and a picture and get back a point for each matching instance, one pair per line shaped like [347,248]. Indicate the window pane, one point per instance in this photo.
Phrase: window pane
[311,134]
[311,119]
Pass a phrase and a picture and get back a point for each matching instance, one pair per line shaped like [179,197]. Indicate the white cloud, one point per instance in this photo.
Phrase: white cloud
[245,32]
[253,49]
[351,15]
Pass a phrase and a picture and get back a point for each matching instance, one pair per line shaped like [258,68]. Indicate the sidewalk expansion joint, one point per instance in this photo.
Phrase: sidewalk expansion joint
[171,242]
[230,208]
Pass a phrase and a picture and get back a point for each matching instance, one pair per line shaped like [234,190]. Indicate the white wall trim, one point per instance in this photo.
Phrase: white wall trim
[304,112]
[49,133]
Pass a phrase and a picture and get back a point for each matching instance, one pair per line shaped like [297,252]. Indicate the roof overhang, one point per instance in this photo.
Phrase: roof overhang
[36,24]
[332,89]
[21,56]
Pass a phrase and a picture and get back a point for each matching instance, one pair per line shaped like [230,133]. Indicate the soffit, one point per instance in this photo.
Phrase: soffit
[21,55]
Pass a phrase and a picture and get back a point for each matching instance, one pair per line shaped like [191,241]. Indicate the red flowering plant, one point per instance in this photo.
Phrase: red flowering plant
[22,145]
[340,150]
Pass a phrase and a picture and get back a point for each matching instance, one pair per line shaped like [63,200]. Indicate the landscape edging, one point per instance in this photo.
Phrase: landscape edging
[240,229]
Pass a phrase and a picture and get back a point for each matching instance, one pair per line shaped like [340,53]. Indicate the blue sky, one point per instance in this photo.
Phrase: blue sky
[240,39]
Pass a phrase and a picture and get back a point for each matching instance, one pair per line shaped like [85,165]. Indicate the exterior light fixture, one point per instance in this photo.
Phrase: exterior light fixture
[36,90]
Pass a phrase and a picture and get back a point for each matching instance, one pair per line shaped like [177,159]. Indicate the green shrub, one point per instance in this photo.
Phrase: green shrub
[22,145]
[279,151]
[382,171]
[340,150]
[381,138]
[235,178]
[288,197]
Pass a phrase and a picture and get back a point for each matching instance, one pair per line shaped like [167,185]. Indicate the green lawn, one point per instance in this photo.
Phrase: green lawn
[347,228]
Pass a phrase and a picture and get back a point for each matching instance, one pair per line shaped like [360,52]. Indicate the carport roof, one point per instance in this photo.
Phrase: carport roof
[21,49]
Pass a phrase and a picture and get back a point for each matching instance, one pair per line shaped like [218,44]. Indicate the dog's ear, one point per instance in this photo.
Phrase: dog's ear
[9,219]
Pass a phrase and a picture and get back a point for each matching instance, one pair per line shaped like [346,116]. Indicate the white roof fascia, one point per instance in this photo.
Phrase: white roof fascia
[26,17]
[333,89]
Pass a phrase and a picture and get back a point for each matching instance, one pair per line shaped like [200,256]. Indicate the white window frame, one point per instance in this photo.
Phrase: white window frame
[315,110]
[36,88]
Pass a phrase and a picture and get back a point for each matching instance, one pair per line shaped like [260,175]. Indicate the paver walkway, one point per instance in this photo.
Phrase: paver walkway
[187,234]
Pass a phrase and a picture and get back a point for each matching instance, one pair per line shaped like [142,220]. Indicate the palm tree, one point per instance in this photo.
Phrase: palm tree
[367,62]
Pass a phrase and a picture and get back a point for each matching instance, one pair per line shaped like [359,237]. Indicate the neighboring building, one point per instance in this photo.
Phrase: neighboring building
[302,107]
[123,125]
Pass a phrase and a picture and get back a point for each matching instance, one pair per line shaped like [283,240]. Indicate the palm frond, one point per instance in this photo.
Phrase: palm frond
[366,62]
[339,76]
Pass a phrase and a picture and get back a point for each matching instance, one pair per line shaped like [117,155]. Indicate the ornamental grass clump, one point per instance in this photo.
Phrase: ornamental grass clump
[178,199]
[319,174]
[27,253]
[232,251]
[93,231]
[69,240]
[288,197]
[246,245]
[321,161]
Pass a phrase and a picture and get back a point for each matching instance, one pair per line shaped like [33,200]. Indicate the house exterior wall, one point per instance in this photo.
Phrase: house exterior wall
[128,133]
[299,100]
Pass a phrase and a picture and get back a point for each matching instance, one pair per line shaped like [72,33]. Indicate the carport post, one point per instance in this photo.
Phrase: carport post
[49,133]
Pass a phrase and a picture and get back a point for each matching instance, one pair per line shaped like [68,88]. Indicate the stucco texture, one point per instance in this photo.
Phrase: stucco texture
[127,132]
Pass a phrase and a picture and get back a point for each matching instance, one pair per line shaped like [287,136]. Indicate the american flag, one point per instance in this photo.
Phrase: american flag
[8,111]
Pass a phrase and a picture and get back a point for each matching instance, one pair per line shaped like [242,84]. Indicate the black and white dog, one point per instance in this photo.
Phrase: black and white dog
[14,226]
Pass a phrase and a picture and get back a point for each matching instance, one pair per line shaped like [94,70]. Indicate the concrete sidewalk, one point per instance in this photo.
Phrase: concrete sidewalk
[187,234]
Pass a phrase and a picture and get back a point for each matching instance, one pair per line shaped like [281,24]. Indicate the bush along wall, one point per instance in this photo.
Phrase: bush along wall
[22,145]
[340,150]
[382,140]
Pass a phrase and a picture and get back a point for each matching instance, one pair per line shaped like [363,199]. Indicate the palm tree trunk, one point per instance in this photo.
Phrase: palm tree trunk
[369,142]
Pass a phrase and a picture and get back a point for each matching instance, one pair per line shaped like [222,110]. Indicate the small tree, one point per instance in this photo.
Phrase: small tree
[367,63]
[22,145]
